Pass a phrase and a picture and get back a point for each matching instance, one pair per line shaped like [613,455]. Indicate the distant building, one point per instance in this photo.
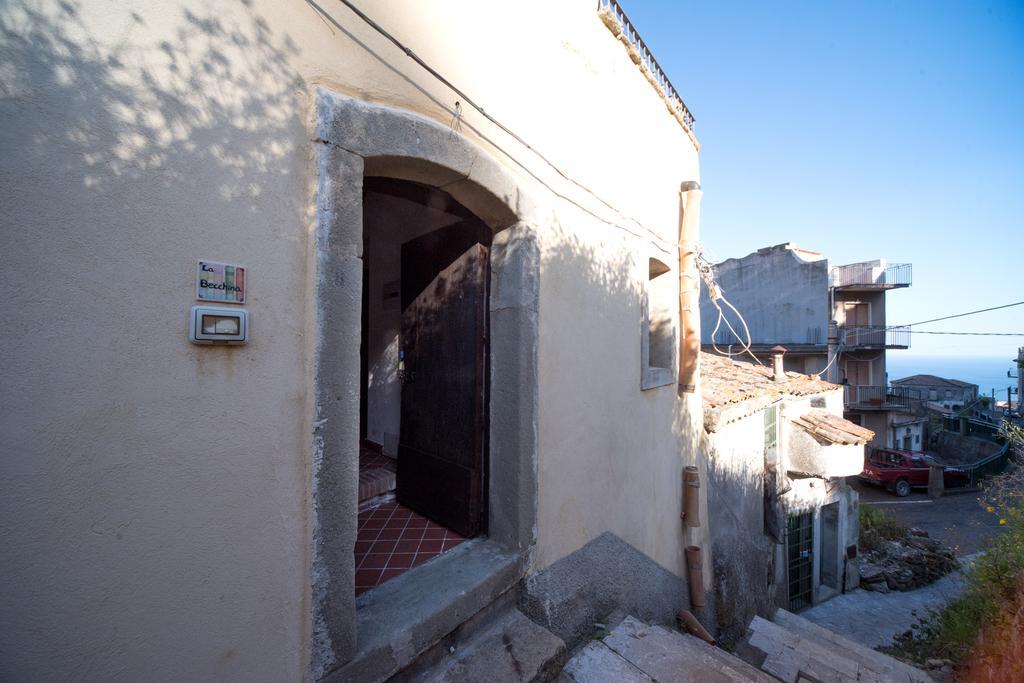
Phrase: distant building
[949,392]
[908,432]
[830,319]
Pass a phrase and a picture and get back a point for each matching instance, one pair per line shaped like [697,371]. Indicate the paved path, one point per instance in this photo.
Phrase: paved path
[872,618]
[956,519]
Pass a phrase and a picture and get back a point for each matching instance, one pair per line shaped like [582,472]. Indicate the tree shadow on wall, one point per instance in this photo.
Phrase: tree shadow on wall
[124,136]
[208,106]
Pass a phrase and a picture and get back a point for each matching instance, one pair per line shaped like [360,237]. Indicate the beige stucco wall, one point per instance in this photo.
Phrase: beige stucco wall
[737,525]
[155,507]
[611,455]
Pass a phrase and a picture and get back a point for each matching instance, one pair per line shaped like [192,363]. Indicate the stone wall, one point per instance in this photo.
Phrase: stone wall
[954,449]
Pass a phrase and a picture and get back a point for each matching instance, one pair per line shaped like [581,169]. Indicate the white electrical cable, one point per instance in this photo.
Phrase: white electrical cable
[839,350]
[706,271]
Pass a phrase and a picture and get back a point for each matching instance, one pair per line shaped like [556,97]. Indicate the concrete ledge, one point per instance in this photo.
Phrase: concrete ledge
[402,618]
[604,578]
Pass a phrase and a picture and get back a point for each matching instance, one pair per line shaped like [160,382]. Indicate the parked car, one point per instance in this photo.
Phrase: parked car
[900,471]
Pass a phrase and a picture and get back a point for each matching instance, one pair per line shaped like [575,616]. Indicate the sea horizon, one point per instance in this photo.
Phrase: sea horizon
[988,372]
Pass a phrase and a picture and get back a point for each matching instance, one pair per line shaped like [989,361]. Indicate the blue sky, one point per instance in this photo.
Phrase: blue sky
[864,130]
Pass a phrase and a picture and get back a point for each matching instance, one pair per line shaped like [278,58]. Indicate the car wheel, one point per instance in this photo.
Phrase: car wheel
[902,488]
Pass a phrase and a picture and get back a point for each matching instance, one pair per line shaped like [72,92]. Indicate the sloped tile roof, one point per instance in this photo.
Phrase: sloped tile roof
[932,380]
[725,381]
[826,426]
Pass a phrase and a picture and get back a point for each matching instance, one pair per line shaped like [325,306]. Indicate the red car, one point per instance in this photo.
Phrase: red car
[900,470]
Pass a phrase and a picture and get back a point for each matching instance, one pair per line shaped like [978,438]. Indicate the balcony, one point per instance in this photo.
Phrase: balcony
[871,276]
[871,397]
[623,28]
[875,337]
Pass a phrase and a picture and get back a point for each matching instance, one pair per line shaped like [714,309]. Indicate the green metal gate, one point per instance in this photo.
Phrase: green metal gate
[800,559]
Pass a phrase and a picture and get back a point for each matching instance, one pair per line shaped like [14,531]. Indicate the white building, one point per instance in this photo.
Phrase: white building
[190,511]
[783,522]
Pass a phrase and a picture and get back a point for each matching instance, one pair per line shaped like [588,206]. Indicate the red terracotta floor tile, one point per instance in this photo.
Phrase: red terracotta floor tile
[379,547]
[391,573]
[391,539]
[429,545]
[374,561]
[407,546]
[367,577]
[401,560]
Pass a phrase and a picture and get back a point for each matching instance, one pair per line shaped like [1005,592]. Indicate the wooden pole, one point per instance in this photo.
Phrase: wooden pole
[689,286]
[935,481]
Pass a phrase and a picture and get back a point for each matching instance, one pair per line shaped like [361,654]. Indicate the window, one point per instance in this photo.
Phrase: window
[658,331]
[771,436]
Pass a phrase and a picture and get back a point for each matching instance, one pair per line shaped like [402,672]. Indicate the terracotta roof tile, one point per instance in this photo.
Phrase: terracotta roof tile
[725,381]
[826,426]
[932,380]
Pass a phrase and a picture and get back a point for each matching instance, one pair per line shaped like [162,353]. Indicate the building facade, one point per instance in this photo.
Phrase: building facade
[952,393]
[192,509]
[830,319]
[784,526]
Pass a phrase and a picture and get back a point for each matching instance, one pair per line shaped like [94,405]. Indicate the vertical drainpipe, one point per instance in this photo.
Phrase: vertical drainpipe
[689,285]
[689,356]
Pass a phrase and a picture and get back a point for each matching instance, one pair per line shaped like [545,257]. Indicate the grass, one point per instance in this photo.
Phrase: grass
[983,624]
[877,526]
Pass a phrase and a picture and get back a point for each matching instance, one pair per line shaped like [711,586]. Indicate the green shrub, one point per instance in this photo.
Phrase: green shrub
[951,632]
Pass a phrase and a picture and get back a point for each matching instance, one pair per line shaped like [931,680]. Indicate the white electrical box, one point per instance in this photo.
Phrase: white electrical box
[212,325]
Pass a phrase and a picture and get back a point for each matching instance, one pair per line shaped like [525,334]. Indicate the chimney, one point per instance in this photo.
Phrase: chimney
[778,374]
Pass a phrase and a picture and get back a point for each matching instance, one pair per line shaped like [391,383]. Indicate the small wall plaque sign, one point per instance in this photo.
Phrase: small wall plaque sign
[220,282]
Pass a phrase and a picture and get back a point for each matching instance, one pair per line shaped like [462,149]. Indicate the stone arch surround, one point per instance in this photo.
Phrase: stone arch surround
[357,139]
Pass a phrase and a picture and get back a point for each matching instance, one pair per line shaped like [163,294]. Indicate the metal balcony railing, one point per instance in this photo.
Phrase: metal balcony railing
[871,397]
[647,61]
[875,337]
[865,275]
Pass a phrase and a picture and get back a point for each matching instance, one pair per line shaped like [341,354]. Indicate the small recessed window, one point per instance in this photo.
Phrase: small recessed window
[660,313]
[771,435]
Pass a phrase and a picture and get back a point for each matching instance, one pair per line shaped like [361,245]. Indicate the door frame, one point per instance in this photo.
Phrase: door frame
[354,139]
[801,532]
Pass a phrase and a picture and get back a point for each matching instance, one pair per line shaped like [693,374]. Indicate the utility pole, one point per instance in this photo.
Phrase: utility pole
[833,348]
[1020,382]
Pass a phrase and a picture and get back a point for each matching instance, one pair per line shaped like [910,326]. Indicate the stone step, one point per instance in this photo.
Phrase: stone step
[637,653]
[509,648]
[881,665]
[793,651]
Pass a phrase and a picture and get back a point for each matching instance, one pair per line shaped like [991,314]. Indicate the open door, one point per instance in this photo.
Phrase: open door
[443,435]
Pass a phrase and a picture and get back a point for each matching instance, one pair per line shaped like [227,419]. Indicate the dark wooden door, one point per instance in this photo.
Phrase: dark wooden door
[442,445]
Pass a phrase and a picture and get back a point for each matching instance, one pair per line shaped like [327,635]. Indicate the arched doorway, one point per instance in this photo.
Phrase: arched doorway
[423,378]
[389,152]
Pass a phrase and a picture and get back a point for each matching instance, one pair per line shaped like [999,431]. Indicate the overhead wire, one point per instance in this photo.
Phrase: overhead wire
[468,100]
[715,293]
[706,271]
[960,315]
[973,334]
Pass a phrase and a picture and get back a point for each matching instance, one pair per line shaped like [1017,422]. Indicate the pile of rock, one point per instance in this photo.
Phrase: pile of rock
[906,564]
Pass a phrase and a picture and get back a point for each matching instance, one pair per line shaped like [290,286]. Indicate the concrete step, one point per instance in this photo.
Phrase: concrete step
[881,665]
[793,651]
[637,653]
[508,648]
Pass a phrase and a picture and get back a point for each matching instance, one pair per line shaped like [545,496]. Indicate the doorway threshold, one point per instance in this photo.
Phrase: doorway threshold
[400,619]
